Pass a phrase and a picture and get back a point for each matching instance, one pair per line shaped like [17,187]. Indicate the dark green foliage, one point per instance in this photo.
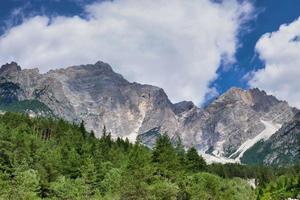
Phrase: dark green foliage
[26,105]
[165,157]
[283,187]
[251,155]
[9,99]
[138,173]
[286,144]
[52,159]
[194,162]
[8,91]
[179,148]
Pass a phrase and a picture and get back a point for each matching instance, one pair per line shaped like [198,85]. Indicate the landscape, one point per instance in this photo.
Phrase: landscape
[113,100]
[168,150]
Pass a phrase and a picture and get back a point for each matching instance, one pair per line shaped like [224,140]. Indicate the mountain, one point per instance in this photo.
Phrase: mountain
[282,148]
[222,131]
[238,119]
[93,93]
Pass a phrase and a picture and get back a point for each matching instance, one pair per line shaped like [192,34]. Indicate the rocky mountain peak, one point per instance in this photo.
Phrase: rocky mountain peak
[259,95]
[88,68]
[255,98]
[232,97]
[183,106]
[262,101]
[99,96]
[244,95]
[9,68]
[103,66]
[96,77]
[97,67]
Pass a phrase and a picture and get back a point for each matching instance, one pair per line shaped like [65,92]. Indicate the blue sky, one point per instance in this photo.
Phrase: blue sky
[238,70]
[270,15]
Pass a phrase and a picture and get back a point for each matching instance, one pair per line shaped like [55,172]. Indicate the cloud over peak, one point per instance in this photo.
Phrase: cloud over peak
[280,52]
[177,46]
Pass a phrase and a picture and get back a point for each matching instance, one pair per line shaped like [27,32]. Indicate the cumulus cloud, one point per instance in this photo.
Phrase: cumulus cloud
[280,51]
[176,45]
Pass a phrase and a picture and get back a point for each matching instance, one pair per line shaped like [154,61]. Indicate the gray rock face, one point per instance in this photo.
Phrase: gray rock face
[99,96]
[233,118]
[182,107]
[9,68]
[282,148]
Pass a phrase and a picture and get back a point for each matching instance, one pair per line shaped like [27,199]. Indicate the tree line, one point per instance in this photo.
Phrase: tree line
[44,158]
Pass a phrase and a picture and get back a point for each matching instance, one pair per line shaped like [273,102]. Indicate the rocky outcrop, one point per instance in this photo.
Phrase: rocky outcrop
[99,96]
[282,148]
[9,68]
[231,121]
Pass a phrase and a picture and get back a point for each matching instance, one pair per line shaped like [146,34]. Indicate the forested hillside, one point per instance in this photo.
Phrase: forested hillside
[222,130]
[52,159]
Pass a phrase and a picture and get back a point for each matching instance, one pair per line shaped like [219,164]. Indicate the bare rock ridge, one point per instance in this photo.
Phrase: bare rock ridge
[97,95]
[182,107]
[282,148]
[9,68]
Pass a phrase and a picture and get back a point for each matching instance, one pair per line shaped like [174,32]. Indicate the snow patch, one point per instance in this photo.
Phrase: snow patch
[215,159]
[270,129]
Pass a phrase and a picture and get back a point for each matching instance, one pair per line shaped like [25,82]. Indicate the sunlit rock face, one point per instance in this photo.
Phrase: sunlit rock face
[97,95]
[100,97]
[233,118]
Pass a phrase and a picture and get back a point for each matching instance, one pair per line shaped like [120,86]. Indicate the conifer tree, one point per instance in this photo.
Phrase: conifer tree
[89,174]
[194,162]
[66,166]
[138,174]
[165,157]
[82,129]
[179,148]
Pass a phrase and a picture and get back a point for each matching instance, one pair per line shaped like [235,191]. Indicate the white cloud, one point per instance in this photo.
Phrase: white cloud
[281,75]
[176,45]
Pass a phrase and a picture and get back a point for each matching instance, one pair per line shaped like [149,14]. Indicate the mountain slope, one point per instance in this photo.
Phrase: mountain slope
[270,129]
[100,97]
[95,94]
[282,148]
[234,118]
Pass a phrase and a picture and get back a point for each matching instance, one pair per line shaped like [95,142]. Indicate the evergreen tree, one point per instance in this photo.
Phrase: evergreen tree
[111,183]
[61,163]
[104,132]
[138,174]
[26,185]
[179,148]
[194,162]
[82,129]
[66,188]
[165,157]
[89,175]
